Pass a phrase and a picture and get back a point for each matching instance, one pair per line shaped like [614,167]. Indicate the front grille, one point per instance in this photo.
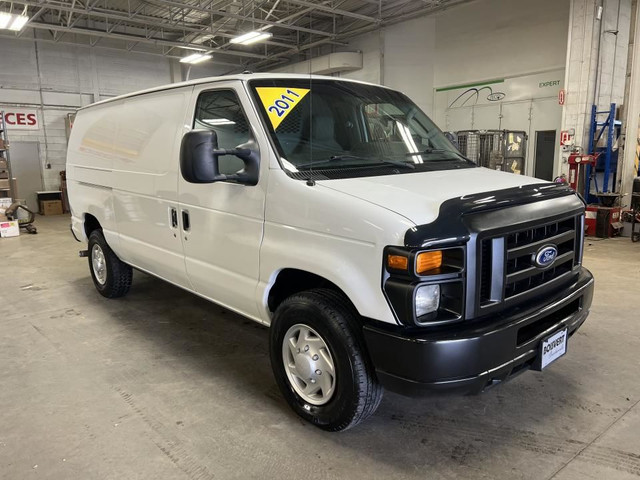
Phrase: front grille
[507,270]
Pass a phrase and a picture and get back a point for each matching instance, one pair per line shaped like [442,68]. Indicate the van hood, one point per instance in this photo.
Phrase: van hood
[418,196]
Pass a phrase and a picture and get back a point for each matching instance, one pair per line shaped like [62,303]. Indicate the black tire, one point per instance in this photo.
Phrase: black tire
[357,392]
[119,275]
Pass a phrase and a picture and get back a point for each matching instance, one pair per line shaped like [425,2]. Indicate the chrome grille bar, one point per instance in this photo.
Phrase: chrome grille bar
[506,264]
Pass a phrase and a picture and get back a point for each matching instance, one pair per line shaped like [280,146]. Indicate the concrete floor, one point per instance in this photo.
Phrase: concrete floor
[163,385]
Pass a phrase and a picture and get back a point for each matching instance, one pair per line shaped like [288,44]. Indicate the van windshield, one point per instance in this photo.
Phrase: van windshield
[335,125]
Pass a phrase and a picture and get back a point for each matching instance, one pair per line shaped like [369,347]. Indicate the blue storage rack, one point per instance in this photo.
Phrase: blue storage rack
[607,164]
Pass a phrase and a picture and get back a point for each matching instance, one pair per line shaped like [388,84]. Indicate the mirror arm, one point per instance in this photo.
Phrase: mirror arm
[238,152]
[233,177]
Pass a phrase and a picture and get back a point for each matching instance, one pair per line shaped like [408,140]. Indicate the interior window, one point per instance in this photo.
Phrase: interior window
[220,110]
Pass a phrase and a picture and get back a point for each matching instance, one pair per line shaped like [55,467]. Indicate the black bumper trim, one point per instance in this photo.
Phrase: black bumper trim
[474,355]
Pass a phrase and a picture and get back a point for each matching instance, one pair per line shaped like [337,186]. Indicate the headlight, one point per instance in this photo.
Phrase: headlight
[424,286]
[427,299]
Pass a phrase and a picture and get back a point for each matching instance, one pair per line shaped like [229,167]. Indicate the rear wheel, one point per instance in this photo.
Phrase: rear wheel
[111,277]
[319,362]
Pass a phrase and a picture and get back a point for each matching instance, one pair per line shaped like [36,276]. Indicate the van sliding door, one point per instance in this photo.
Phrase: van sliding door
[145,182]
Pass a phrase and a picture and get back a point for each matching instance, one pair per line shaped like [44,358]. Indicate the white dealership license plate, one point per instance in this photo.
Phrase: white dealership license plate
[553,347]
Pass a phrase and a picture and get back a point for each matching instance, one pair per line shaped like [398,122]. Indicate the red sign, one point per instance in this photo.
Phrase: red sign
[565,137]
[21,119]
[562,94]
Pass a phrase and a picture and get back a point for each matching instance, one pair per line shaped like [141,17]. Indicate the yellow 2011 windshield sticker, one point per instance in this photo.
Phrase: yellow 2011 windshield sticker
[280,101]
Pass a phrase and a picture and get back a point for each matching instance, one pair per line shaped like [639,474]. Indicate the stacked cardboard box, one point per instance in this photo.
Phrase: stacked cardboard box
[50,207]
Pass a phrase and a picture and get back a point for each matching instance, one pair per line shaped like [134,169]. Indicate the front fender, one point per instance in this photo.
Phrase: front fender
[354,266]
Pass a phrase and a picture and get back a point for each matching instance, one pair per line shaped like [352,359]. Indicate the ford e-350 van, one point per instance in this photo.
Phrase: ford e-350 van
[336,213]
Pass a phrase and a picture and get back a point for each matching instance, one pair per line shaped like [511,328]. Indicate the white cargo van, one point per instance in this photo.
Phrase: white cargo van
[336,213]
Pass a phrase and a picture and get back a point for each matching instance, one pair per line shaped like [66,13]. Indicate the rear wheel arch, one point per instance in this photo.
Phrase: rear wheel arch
[91,223]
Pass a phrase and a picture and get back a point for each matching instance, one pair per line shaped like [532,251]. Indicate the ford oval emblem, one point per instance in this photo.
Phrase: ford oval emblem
[545,257]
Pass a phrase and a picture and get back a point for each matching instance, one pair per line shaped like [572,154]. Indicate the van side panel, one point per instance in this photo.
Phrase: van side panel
[89,169]
[310,229]
[145,179]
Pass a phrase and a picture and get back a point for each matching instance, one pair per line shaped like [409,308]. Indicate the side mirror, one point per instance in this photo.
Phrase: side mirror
[199,155]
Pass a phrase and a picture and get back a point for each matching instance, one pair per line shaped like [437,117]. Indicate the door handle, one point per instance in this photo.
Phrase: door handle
[186,224]
[174,217]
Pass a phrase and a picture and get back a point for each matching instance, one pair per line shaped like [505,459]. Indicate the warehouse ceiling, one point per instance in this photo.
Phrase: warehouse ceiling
[178,28]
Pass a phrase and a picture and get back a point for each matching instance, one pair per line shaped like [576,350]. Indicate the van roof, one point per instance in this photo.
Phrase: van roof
[241,76]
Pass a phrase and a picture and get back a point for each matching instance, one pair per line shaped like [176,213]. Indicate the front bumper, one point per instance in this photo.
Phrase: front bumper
[472,356]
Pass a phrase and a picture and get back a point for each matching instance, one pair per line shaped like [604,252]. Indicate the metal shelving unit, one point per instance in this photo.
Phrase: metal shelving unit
[603,135]
[5,157]
[495,149]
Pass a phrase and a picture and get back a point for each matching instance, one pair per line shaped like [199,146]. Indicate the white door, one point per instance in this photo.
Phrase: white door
[25,168]
[145,177]
[222,222]
[546,114]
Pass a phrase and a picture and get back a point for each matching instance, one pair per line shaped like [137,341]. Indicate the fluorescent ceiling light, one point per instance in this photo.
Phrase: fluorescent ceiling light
[190,58]
[5,19]
[259,38]
[19,22]
[202,58]
[251,37]
[195,58]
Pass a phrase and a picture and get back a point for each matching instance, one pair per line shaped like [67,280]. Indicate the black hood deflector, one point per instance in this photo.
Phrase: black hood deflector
[449,227]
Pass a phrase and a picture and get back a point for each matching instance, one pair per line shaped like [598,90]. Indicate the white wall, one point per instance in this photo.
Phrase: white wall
[490,39]
[370,46]
[63,78]
[481,40]
[400,56]
[408,59]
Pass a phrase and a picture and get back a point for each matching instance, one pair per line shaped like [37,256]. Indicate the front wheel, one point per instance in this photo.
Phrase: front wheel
[319,363]
[111,276]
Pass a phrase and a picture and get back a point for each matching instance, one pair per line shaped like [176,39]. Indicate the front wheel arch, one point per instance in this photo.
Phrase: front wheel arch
[290,281]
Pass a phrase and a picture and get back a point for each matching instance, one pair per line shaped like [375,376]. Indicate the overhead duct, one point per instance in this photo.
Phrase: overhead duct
[327,64]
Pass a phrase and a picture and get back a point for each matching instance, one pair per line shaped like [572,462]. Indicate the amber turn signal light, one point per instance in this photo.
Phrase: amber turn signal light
[426,261]
[397,262]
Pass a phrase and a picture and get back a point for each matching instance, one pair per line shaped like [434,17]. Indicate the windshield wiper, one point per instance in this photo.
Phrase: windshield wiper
[397,163]
[337,158]
[332,159]
[428,150]
[441,159]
